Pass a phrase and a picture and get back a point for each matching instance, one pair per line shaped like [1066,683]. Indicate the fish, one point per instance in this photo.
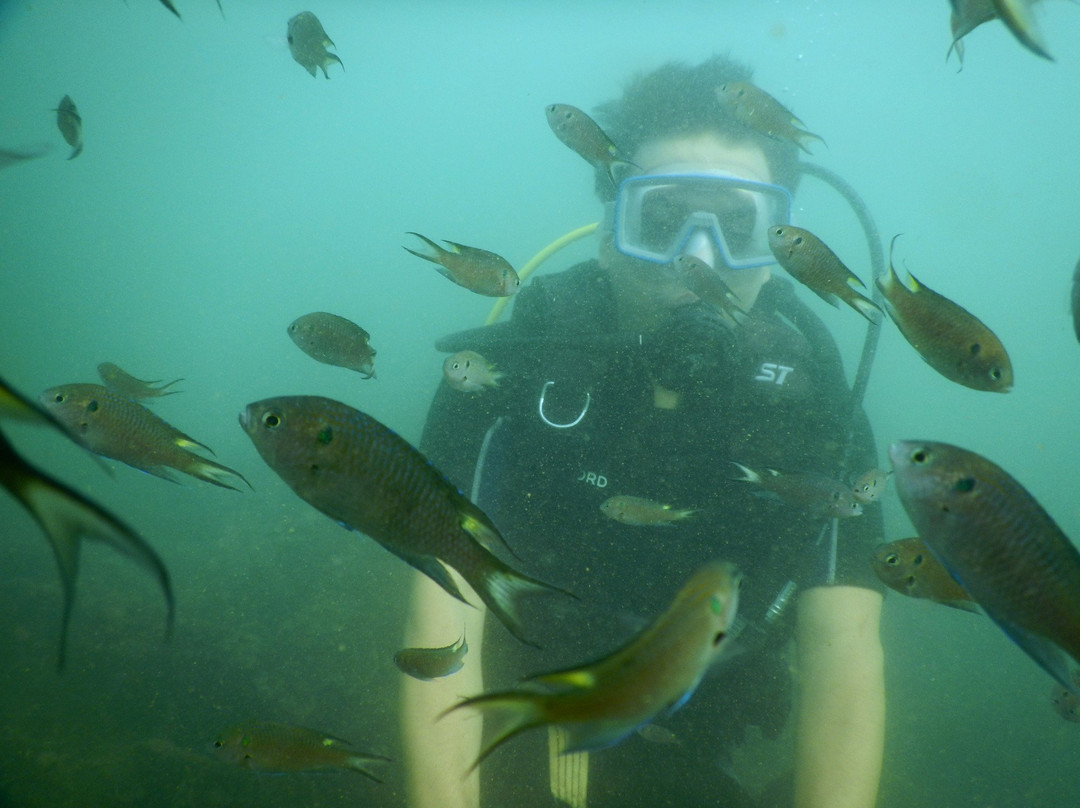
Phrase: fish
[966,16]
[69,122]
[123,383]
[654,733]
[366,477]
[706,283]
[1017,16]
[469,372]
[480,271]
[870,485]
[1076,301]
[10,157]
[656,672]
[585,137]
[949,338]
[334,340]
[819,494]
[432,663]
[908,566]
[999,544]
[642,512]
[114,426]
[67,518]
[308,42]
[810,261]
[1065,702]
[265,746]
[168,4]
[755,108]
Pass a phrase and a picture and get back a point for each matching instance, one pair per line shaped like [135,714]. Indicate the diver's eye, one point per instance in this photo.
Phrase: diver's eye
[271,420]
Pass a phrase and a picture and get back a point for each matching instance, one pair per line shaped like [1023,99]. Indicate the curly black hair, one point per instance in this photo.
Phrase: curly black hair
[678,99]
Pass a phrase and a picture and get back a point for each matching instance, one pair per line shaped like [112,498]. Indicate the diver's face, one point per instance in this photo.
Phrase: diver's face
[696,152]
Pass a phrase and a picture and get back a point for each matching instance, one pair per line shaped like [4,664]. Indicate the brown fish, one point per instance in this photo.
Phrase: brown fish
[755,108]
[264,746]
[470,372]
[655,672]
[432,663]
[584,136]
[1017,16]
[480,271]
[333,340]
[908,566]
[952,340]
[366,477]
[810,261]
[69,122]
[819,494]
[870,485]
[1000,545]
[115,426]
[9,157]
[122,382]
[308,42]
[706,283]
[642,512]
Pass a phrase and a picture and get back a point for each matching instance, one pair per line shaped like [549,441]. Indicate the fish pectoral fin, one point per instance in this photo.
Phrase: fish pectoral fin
[589,735]
[434,569]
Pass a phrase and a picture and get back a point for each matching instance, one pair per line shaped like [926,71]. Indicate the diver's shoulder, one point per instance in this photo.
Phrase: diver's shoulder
[579,295]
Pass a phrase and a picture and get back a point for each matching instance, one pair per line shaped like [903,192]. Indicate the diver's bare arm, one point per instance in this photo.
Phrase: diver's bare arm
[439,752]
[840,725]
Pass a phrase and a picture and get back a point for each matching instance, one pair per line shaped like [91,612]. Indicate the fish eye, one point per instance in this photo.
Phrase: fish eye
[920,456]
[59,398]
[218,743]
[271,420]
[995,374]
[892,559]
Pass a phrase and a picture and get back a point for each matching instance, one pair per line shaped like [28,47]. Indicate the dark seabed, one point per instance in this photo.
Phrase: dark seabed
[222,192]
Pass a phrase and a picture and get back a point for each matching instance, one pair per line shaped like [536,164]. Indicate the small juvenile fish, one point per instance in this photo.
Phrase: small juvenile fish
[119,381]
[308,42]
[953,341]
[335,341]
[432,663]
[115,426]
[755,108]
[642,512]
[706,283]
[1065,702]
[69,122]
[477,270]
[67,518]
[364,476]
[870,485]
[9,157]
[908,566]
[821,495]
[584,136]
[168,4]
[810,261]
[1000,545]
[656,672]
[469,372]
[654,733]
[265,746]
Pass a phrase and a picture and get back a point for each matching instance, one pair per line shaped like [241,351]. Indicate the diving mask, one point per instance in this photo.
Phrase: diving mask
[654,216]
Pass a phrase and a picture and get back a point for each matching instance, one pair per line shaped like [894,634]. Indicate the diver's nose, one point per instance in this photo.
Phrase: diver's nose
[700,245]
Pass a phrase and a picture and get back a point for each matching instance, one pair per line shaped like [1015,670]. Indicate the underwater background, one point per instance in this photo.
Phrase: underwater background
[223,192]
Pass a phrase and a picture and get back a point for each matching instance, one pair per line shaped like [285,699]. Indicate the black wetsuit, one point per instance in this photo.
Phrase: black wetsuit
[777,400]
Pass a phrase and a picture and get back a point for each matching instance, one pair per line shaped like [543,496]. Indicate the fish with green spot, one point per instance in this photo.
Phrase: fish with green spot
[480,271]
[117,427]
[1000,545]
[366,477]
[819,494]
[642,512]
[584,136]
[952,340]
[265,746]
[656,672]
[426,664]
[334,340]
[308,44]
[120,381]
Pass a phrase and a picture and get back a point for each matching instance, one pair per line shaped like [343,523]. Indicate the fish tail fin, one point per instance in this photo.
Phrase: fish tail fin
[76,151]
[358,762]
[866,307]
[749,475]
[164,390]
[438,250]
[214,473]
[511,712]
[67,517]
[804,134]
[500,587]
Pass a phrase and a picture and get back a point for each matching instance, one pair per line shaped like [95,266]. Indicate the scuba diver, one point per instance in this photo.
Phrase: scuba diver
[621,378]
